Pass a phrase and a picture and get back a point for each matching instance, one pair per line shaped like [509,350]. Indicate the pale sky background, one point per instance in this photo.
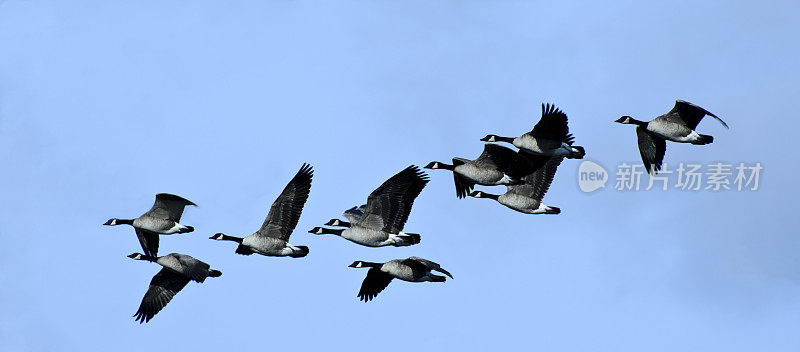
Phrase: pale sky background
[103,104]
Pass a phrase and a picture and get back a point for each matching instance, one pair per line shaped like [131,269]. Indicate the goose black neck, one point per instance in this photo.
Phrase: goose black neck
[490,196]
[149,258]
[638,123]
[504,139]
[345,223]
[445,166]
[337,232]
[231,238]
[326,231]
[125,222]
[371,264]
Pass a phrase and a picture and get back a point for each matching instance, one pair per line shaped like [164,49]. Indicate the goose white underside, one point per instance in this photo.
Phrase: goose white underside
[407,275]
[565,150]
[154,227]
[675,136]
[392,240]
[395,239]
[690,138]
[175,229]
[531,145]
[270,246]
[374,238]
[287,251]
[541,209]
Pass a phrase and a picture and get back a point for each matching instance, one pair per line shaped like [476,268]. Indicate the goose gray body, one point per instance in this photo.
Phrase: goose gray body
[527,198]
[378,238]
[412,269]
[479,174]
[380,222]
[178,269]
[367,236]
[491,168]
[163,218]
[272,239]
[549,137]
[677,125]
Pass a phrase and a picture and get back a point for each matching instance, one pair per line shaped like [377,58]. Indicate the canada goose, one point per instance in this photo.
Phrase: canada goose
[273,236]
[677,125]
[178,269]
[337,222]
[489,169]
[412,269]
[550,136]
[527,198]
[162,218]
[385,213]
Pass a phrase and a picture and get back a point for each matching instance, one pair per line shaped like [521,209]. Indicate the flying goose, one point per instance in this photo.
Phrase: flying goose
[412,269]
[178,269]
[677,125]
[550,136]
[527,198]
[489,169]
[385,213]
[273,236]
[353,214]
[162,218]
[337,222]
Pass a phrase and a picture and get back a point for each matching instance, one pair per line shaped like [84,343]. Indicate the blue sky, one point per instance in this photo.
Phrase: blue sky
[104,104]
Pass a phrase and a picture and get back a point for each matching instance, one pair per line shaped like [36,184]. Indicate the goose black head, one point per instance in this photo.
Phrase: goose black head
[363,264]
[217,236]
[326,231]
[433,165]
[115,221]
[490,138]
[336,222]
[625,120]
[481,194]
[356,264]
[137,256]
